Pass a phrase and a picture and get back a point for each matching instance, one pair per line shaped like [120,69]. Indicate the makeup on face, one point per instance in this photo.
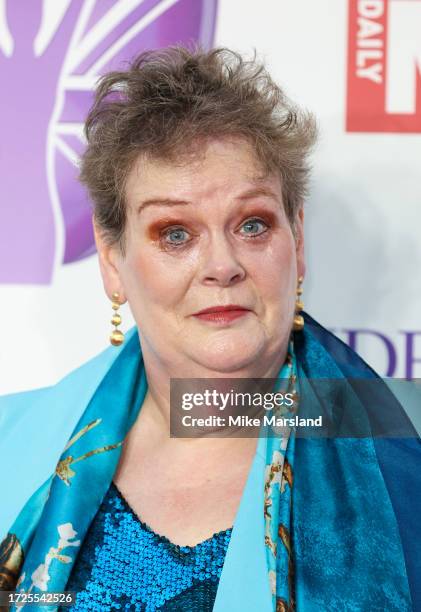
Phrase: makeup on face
[210,264]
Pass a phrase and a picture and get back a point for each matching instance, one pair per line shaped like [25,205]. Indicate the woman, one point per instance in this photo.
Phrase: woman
[197,167]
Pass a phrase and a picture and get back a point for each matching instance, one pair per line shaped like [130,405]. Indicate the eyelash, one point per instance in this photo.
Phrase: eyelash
[167,232]
[258,220]
[170,245]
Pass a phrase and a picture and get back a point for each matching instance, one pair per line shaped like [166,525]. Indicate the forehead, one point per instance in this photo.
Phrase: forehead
[213,167]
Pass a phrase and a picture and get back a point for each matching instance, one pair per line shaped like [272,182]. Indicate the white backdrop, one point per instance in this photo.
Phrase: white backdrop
[363,217]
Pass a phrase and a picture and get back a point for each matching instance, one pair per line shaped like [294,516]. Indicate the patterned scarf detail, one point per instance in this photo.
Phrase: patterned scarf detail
[39,551]
[302,552]
[280,443]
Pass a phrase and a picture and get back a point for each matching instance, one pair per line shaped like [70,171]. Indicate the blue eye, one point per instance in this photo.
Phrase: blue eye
[254,227]
[176,236]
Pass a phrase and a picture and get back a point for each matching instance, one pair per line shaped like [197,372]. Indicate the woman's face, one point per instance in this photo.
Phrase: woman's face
[210,232]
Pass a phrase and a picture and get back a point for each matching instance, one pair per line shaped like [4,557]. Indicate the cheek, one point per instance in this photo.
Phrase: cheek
[151,281]
[275,270]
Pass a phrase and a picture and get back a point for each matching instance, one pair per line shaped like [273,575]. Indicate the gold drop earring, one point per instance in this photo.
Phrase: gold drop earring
[298,318]
[117,336]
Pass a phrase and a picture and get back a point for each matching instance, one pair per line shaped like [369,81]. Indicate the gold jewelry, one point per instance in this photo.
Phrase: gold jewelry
[117,336]
[298,319]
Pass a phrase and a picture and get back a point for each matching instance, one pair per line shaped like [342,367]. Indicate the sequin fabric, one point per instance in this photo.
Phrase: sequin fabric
[124,565]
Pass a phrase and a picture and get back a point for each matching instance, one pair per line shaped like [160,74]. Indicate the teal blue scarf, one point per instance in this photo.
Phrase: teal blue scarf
[338,532]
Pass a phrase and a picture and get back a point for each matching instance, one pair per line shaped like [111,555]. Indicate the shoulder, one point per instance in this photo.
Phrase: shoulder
[77,386]
[35,426]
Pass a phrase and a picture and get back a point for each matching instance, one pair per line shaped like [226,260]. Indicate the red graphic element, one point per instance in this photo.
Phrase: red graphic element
[384,66]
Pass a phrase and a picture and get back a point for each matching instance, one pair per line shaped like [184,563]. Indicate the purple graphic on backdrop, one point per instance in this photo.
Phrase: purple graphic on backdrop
[401,352]
[46,93]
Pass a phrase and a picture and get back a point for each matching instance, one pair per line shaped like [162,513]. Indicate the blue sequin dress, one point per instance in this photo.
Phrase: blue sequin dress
[124,565]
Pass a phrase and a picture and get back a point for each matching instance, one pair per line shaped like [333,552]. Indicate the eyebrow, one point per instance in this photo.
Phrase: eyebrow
[161,202]
[259,192]
[248,195]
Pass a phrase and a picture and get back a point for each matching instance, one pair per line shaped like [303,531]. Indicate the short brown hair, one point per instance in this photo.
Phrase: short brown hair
[169,99]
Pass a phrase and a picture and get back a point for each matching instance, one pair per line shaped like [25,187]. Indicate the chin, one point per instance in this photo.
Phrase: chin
[230,357]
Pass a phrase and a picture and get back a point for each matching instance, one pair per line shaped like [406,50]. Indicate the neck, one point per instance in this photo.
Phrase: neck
[155,414]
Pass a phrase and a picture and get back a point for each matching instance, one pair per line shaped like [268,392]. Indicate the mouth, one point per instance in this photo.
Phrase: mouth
[222,314]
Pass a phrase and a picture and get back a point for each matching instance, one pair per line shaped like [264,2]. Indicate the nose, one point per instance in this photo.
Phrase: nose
[221,265]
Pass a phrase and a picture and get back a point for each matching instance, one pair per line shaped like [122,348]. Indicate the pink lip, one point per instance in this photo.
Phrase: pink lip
[222,314]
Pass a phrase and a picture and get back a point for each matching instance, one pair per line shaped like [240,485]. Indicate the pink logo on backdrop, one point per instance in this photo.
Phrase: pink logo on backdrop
[384,66]
[50,57]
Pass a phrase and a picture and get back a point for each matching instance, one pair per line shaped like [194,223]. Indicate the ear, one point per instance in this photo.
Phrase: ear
[299,241]
[109,257]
